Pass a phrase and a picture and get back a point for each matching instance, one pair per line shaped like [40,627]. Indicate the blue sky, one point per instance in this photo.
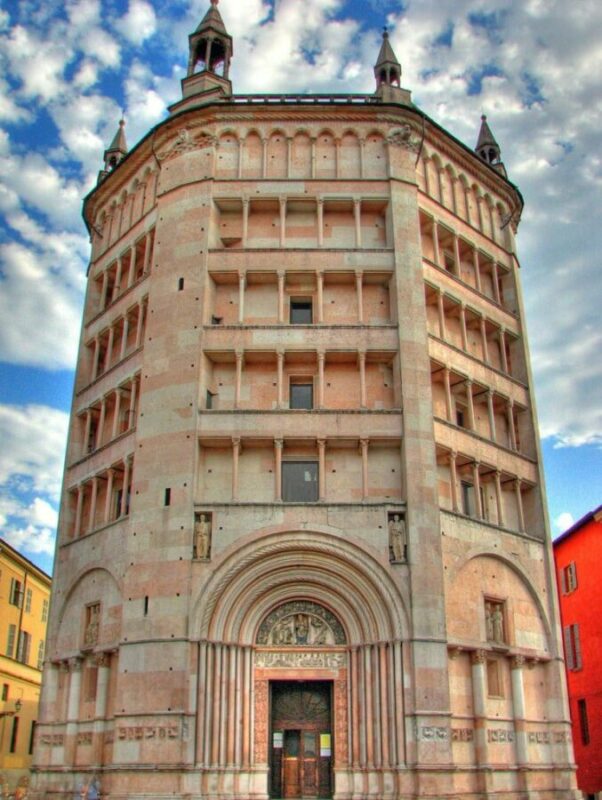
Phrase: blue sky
[67,70]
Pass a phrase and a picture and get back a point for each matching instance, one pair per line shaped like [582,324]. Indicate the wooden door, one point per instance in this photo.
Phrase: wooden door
[301,760]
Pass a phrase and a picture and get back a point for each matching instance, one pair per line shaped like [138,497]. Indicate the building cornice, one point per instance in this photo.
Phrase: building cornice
[311,108]
[24,563]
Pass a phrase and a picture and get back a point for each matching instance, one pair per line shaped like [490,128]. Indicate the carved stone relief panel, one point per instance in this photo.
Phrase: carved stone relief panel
[301,623]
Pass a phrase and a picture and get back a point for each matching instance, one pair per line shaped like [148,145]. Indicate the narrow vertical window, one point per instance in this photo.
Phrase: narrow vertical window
[167,498]
[583,722]
[28,599]
[14,735]
[10,643]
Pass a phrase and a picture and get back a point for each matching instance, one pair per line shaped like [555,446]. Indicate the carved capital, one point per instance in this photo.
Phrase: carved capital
[518,662]
[405,138]
[478,656]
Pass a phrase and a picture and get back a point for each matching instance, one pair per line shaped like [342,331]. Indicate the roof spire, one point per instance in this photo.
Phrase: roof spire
[116,151]
[487,147]
[387,69]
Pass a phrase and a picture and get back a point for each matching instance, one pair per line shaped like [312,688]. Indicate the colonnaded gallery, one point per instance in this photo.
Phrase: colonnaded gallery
[303,548]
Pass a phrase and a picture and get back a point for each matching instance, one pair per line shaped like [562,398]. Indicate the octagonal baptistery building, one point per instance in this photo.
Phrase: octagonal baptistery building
[303,548]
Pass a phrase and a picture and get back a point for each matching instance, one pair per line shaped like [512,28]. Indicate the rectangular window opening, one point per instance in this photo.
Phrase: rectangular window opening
[4,692]
[300,481]
[209,400]
[301,311]
[146,605]
[167,499]
[494,681]
[14,735]
[583,722]
[468,505]
[301,394]
[32,735]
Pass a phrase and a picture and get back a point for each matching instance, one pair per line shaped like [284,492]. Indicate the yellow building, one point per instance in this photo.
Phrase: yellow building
[24,602]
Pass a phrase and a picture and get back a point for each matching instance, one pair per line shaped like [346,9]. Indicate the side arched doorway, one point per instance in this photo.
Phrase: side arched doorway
[301,672]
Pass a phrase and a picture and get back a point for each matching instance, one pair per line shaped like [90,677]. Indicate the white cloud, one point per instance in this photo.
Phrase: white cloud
[563,521]
[33,450]
[139,23]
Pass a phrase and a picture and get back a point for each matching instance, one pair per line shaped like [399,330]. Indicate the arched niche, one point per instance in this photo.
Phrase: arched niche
[326,155]
[253,156]
[350,165]
[227,156]
[95,586]
[301,156]
[277,156]
[482,577]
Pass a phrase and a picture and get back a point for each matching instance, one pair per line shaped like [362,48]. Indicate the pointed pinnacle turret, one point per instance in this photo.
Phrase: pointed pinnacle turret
[213,20]
[116,151]
[487,147]
[387,69]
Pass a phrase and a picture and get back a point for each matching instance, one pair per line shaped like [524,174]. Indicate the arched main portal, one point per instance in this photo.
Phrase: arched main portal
[291,608]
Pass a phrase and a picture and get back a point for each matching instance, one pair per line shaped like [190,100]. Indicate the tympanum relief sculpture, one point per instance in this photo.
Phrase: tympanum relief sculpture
[301,623]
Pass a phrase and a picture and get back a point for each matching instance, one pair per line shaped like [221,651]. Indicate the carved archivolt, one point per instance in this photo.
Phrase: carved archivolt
[301,623]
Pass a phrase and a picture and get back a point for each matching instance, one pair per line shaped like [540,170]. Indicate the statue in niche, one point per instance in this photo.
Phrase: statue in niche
[202,536]
[92,628]
[494,622]
[397,537]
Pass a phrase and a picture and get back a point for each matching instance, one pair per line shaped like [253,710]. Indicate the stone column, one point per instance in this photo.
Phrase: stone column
[479,701]
[436,250]
[496,283]
[93,499]
[75,680]
[96,358]
[235,460]
[103,290]
[117,285]
[463,327]
[362,365]
[511,427]
[103,664]
[109,353]
[519,710]
[281,279]
[77,527]
[278,444]
[519,505]
[87,429]
[441,311]
[364,444]
[282,201]
[109,495]
[116,413]
[140,325]
[499,498]
[320,297]
[321,469]
[454,479]
[477,269]
[457,260]
[245,221]
[241,297]
[360,296]
[357,212]
[238,381]
[132,271]
[320,202]
[470,404]
[476,482]
[127,467]
[321,360]
[124,336]
[132,408]
[491,413]
[101,423]
[503,353]
[449,408]
[289,156]
[264,158]
[280,378]
[148,240]
[484,339]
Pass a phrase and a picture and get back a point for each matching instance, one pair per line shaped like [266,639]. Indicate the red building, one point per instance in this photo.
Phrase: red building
[578,555]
